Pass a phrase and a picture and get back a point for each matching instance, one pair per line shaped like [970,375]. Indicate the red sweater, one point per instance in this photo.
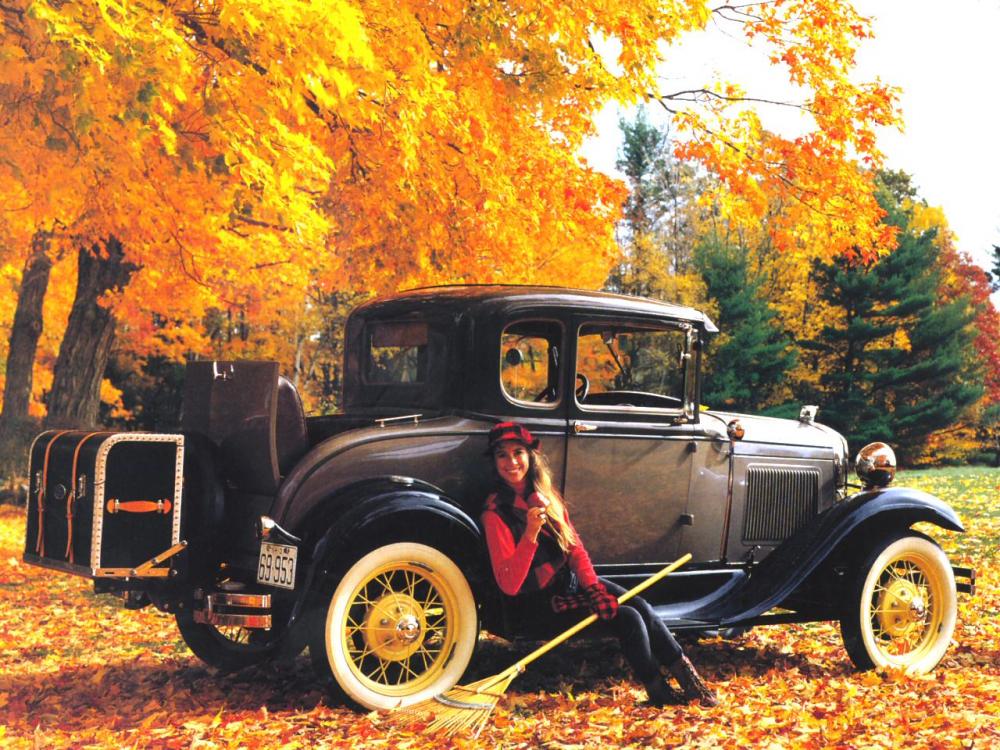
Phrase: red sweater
[513,560]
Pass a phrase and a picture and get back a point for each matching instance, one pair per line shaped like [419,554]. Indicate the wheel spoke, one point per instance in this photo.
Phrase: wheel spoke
[381,581]
[428,655]
[432,600]
[425,658]
[412,579]
[362,654]
[405,667]
[364,600]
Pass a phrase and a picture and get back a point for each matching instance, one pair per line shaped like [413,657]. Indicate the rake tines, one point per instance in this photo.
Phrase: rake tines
[463,707]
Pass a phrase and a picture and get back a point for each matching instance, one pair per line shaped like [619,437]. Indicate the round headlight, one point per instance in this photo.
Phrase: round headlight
[876,465]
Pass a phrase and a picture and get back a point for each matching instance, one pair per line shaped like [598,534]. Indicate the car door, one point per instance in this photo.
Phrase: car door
[628,460]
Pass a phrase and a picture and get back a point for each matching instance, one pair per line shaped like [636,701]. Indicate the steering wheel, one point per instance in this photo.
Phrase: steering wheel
[583,387]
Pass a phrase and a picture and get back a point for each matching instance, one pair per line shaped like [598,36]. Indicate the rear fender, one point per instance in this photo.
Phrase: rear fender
[380,511]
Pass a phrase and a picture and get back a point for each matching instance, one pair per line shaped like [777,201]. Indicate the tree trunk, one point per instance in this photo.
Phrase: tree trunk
[83,354]
[24,335]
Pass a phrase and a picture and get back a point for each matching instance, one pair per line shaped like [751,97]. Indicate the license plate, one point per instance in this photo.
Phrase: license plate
[276,566]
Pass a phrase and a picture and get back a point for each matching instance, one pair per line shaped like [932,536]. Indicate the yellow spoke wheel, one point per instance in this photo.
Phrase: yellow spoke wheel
[904,606]
[401,626]
[225,647]
[397,633]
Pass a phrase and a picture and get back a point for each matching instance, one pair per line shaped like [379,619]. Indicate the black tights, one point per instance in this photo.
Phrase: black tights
[645,640]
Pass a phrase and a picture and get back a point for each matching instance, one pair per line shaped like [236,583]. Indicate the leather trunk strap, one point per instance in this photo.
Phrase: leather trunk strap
[40,542]
[71,495]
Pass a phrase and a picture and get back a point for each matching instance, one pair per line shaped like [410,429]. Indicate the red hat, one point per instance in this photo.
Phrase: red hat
[511,431]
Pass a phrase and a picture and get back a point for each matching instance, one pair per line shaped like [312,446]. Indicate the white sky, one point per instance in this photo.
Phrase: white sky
[946,59]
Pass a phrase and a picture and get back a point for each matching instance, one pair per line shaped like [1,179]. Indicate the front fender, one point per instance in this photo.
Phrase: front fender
[920,505]
[864,514]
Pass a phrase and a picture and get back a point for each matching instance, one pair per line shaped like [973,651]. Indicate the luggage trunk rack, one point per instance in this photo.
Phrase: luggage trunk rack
[147,569]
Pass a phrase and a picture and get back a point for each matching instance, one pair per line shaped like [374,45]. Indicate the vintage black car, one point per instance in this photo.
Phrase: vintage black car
[263,531]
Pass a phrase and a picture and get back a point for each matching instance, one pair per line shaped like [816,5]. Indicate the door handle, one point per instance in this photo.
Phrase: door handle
[579,427]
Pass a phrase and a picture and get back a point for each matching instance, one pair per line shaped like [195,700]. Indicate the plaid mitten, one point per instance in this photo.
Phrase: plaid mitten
[567,602]
[601,603]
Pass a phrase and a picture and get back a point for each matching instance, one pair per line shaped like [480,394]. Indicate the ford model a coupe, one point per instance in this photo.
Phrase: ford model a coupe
[356,534]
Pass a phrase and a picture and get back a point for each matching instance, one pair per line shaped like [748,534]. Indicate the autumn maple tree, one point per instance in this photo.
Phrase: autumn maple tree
[255,156]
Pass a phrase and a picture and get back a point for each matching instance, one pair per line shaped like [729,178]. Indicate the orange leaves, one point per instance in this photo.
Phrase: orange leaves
[818,185]
[249,153]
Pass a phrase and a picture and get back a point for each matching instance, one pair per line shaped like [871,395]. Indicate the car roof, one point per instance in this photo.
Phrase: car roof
[465,297]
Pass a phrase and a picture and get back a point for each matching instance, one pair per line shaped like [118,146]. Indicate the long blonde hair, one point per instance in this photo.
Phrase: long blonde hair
[539,479]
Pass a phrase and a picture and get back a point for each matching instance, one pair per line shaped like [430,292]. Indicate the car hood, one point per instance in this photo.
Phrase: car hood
[780,432]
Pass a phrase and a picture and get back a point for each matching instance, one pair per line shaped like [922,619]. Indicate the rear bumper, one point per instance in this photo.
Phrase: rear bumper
[965,580]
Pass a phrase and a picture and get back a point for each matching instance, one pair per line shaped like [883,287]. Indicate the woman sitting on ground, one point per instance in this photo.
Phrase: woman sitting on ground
[538,557]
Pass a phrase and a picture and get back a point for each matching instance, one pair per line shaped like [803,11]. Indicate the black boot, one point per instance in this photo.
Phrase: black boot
[693,686]
[661,694]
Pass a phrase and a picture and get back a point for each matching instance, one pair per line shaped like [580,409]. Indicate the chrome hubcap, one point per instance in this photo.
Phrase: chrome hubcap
[408,629]
[394,627]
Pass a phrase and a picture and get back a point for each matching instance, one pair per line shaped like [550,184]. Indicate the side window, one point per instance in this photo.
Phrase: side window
[397,353]
[529,361]
[631,365]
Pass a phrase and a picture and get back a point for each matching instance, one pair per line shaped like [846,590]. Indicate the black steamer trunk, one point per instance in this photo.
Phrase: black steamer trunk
[105,504]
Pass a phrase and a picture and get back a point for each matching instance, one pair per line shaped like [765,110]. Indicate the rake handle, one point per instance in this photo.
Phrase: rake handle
[519,666]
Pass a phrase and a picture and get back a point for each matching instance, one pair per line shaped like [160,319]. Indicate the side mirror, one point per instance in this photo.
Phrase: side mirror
[513,356]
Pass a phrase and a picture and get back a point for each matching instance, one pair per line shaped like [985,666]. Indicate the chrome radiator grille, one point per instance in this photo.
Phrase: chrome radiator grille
[780,500]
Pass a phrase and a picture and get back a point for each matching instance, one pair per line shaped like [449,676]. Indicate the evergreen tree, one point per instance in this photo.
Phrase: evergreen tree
[752,355]
[900,358]
[995,276]
[658,233]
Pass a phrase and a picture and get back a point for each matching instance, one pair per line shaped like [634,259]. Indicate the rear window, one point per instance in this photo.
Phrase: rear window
[397,353]
[529,362]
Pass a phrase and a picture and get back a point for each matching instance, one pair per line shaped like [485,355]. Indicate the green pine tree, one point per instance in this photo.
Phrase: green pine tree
[900,359]
[749,361]
[657,234]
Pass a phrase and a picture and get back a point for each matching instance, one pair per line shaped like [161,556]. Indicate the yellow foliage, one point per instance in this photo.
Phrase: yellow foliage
[113,397]
[952,445]
[249,151]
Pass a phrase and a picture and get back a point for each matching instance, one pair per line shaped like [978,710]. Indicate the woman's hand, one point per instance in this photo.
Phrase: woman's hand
[537,518]
[603,603]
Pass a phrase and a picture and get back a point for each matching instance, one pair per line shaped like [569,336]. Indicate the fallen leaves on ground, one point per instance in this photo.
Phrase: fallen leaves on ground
[77,670]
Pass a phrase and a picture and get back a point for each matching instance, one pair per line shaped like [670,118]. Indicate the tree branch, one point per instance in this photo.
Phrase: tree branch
[270,264]
[700,95]
[263,224]
[796,191]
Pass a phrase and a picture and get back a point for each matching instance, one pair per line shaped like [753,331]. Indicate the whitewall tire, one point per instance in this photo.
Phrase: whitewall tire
[400,627]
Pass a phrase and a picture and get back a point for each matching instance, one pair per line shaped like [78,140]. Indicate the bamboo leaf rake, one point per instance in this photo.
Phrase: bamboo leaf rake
[469,706]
